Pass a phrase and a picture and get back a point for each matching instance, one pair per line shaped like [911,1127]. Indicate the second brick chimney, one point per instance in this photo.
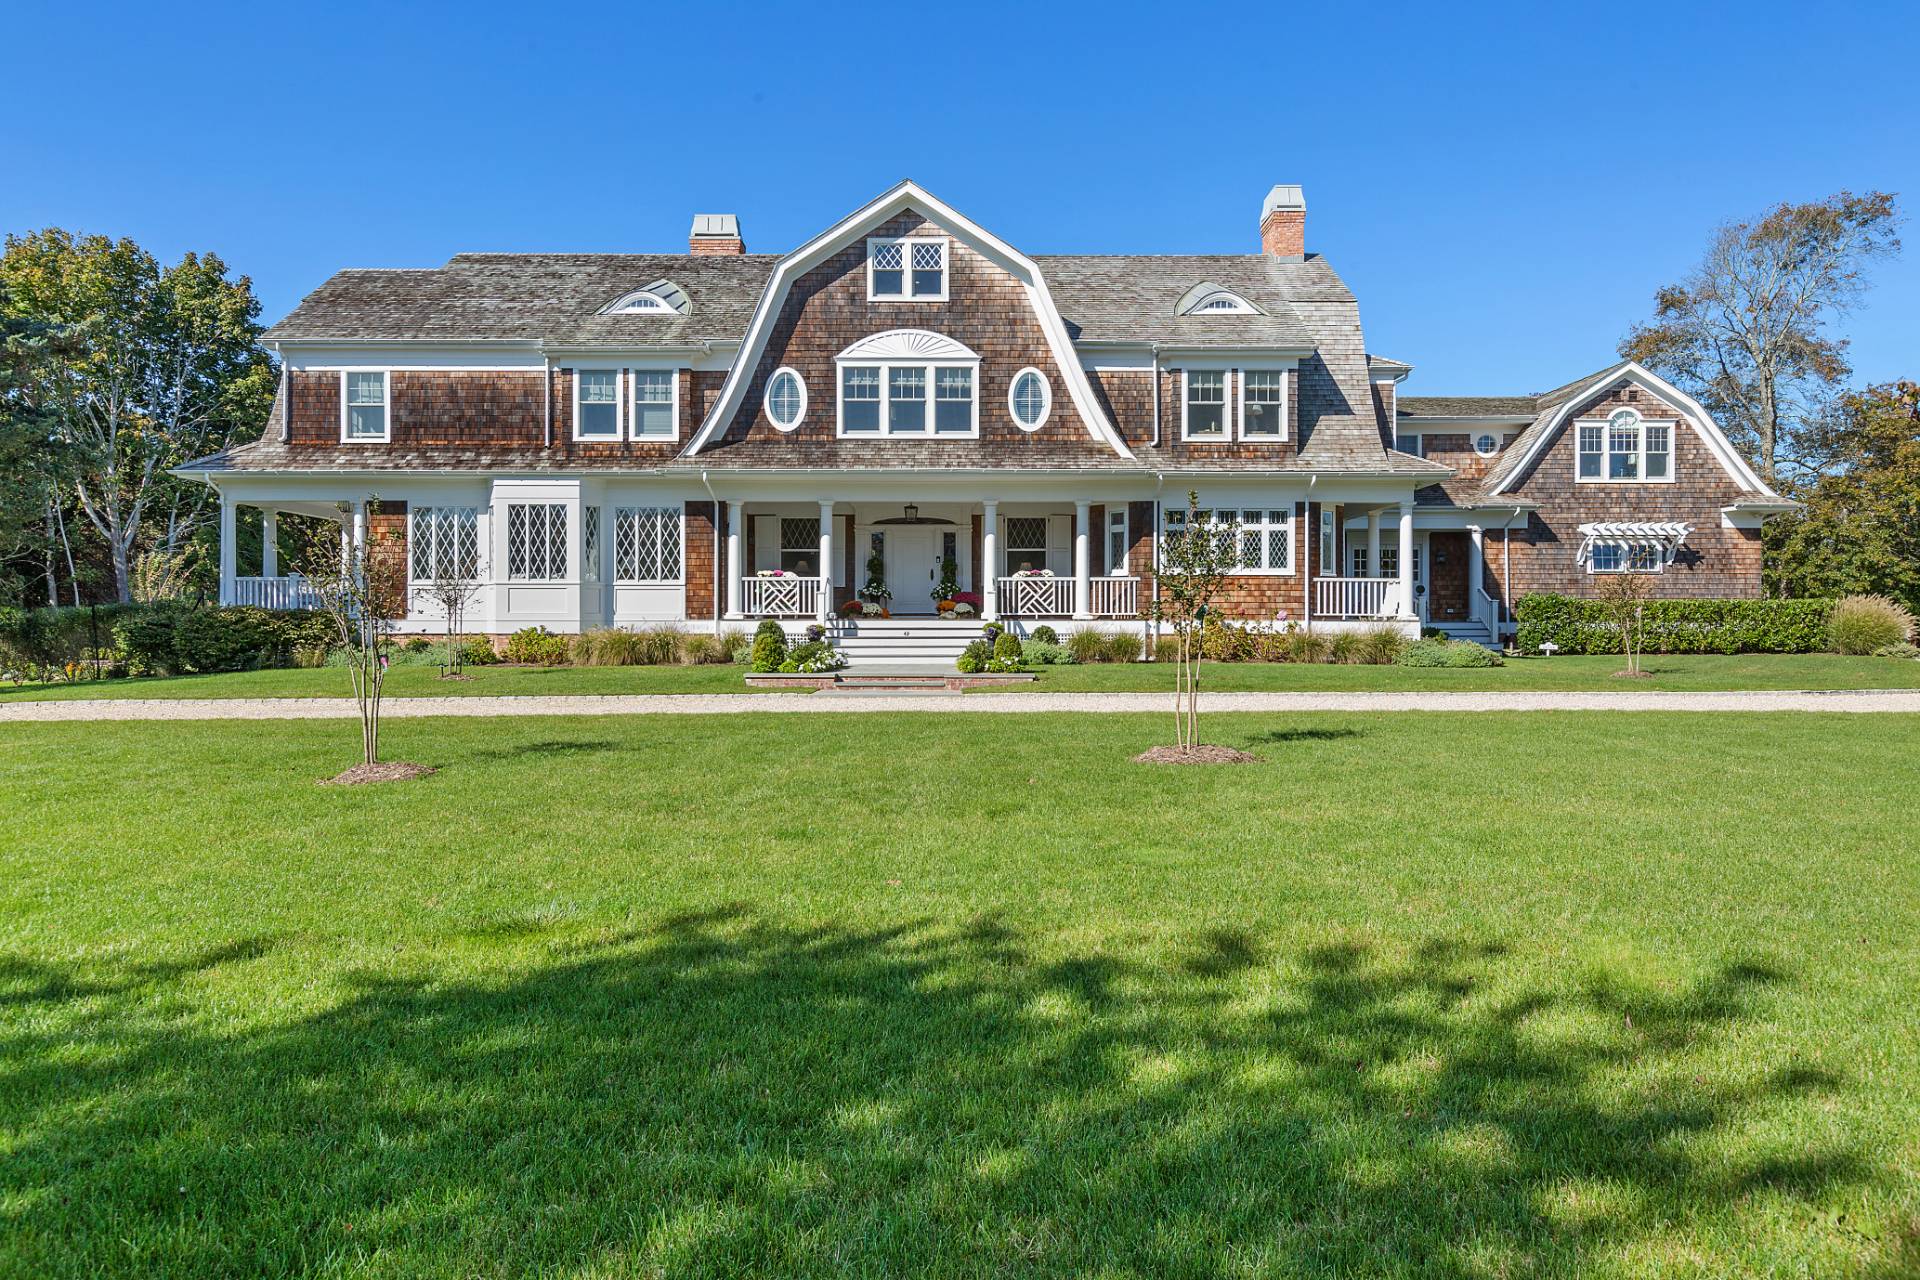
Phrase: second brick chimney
[715,233]
[1283,223]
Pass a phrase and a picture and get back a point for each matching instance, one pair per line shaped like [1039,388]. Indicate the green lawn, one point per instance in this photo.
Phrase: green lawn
[1451,996]
[1686,673]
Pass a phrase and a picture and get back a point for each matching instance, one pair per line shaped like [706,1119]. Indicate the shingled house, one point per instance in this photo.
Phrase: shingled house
[908,399]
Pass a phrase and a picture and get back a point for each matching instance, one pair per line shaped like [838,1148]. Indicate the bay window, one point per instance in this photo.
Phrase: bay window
[536,541]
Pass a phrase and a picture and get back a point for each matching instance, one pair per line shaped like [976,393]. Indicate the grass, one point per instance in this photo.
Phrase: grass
[1686,673]
[1450,996]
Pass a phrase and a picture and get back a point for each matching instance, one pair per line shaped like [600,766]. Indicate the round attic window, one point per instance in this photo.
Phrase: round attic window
[1030,398]
[786,399]
[1486,444]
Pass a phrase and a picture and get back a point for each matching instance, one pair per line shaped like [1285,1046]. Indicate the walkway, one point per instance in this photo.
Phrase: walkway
[983,703]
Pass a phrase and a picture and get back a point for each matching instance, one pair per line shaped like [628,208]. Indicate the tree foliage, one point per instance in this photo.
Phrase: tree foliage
[1195,559]
[361,589]
[1747,332]
[1859,531]
[165,365]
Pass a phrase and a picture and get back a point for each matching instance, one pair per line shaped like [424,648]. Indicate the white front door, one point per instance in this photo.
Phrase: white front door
[914,556]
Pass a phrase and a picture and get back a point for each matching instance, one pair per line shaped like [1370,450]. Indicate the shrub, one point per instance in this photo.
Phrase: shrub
[1223,642]
[1862,624]
[1432,652]
[145,640]
[1379,646]
[974,658]
[538,647]
[1676,626]
[1901,650]
[769,646]
[625,647]
[1044,653]
[1166,648]
[1123,646]
[703,650]
[738,644]
[1087,645]
[1045,634]
[224,639]
[1305,646]
[1007,648]
[416,644]
[1344,647]
[478,651]
[812,657]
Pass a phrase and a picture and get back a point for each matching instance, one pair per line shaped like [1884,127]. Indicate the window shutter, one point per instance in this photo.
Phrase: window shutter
[843,538]
[766,542]
[1060,545]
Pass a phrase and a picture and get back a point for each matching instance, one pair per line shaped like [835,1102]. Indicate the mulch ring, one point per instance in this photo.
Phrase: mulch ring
[1194,755]
[385,771]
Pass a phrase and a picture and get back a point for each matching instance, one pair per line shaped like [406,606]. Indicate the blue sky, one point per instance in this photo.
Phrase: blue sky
[1504,188]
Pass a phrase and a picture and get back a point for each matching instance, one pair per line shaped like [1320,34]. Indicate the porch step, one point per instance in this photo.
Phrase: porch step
[1475,632]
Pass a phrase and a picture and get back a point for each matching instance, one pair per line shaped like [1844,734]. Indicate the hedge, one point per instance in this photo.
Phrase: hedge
[155,639]
[1676,626]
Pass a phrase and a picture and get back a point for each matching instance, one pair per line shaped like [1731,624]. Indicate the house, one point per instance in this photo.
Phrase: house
[909,400]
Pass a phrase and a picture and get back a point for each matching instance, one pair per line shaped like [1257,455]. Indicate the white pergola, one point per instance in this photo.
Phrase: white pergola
[1664,537]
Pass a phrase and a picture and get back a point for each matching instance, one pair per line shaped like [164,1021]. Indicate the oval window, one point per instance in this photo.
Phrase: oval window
[1030,398]
[1486,446]
[786,399]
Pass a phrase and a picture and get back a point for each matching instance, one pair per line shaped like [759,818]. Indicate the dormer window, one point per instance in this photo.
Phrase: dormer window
[661,298]
[1210,299]
[908,382]
[1623,448]
[363,406]
[907,270]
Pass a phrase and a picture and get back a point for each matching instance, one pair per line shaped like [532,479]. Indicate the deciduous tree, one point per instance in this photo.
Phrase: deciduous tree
[1195,559]
[1747,333]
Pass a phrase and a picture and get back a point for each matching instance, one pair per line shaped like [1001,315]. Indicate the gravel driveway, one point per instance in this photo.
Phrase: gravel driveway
[985,704]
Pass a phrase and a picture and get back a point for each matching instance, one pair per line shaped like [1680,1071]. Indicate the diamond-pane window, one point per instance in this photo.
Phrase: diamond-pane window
[590,544]
[646,544]
[907,269]
[445,543]
[536,541]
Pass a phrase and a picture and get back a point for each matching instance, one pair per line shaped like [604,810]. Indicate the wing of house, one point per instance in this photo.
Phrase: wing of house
[907,411]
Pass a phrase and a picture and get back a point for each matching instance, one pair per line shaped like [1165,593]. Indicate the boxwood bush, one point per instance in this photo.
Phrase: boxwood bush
[1676,626]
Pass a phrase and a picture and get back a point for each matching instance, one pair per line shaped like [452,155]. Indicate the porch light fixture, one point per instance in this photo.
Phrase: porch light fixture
[913,516]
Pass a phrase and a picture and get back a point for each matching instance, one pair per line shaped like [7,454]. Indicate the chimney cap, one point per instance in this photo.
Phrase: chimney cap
[1285,195]
[715,226]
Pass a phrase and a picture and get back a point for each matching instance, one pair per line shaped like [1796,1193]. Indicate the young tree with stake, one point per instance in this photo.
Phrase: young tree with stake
[1195,559]
[362,590]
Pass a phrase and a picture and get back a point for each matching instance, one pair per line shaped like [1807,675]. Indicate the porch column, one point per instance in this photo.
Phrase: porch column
[1373,544]
[1407,609]
[736,518]
[990,552]
[1082,562]
[824,609]
[269,543]
[228,551]
[360,527]
[1476,569]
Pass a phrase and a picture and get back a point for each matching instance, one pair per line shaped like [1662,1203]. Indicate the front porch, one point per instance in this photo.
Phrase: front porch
[971,562]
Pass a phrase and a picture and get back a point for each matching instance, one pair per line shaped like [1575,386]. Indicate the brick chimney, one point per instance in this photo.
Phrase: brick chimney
[1283,223]
[715,233]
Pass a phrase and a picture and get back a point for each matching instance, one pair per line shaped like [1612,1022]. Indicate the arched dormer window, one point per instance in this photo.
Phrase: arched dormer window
[662,297]
[908,382]
[1210,299]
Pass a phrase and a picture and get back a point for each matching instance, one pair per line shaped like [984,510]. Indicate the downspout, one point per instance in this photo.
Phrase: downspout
[1312,541]
[546,414]
[1159,523]
[1506,565]
[719,551]
[286,398]
[1156,432]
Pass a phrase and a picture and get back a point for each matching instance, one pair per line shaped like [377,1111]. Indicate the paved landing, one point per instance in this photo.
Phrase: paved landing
[980,703]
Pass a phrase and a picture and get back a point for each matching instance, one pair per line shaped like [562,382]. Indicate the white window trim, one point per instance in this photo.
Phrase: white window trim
[1225,434]
[1209,304]
[1046,399]
[612,548]
[1640,459]
[1286,405]
[1478,436]
[440,509]
[619,396]
[641,302]
[766,399]
[1626,559]
[386,390]
[630,404]
[1291,524]
[906,268]
[566,554]
[886,368]
[1124,523]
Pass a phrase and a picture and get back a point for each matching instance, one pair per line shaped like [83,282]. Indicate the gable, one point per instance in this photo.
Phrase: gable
[816,305]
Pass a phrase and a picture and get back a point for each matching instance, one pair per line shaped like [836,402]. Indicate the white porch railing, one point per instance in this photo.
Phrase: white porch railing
[790,596]
[1036,597]
[1355,597]
[1115,597]
[288,592]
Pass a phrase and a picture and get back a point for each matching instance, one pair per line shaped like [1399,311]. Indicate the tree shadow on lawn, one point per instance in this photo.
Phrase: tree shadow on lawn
[725,1093]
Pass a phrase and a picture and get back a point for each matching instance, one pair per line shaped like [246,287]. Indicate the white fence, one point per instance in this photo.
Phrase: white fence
[289,592]
[1115,597]
[1036,597]
[1355,597]
[790,596]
